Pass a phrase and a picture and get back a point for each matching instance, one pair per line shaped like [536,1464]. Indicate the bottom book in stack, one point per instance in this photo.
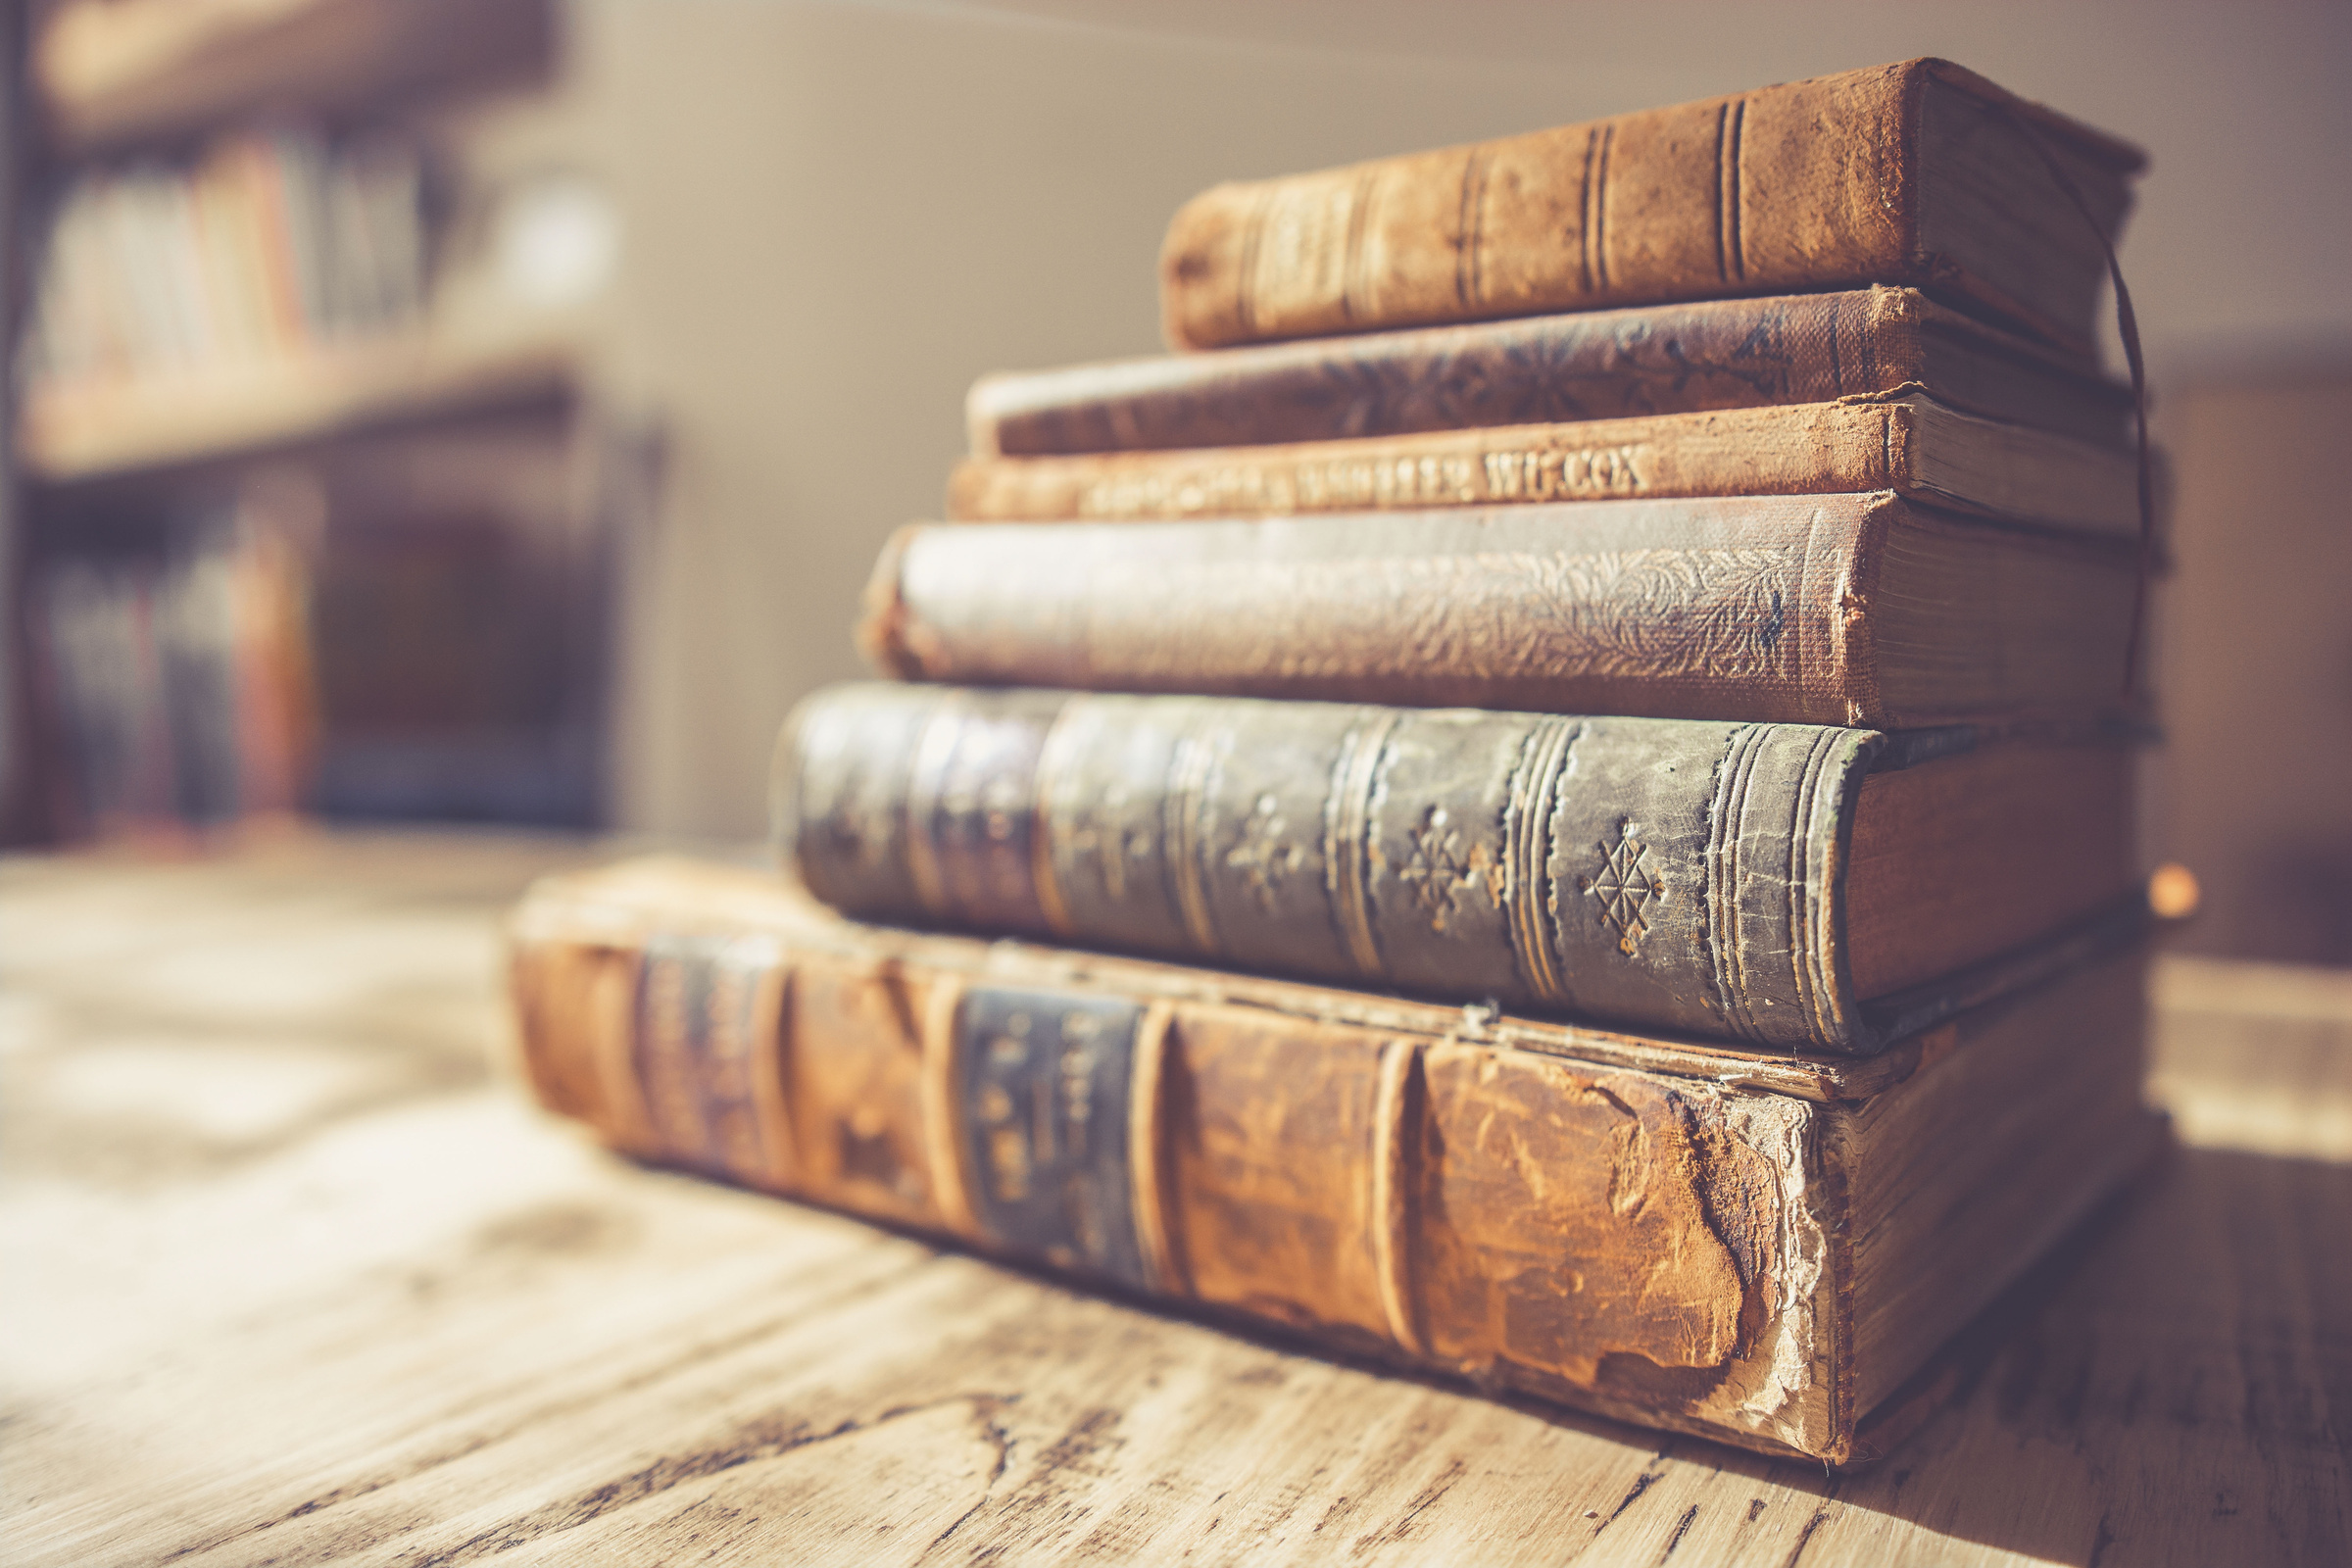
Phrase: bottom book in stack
[1765,1250]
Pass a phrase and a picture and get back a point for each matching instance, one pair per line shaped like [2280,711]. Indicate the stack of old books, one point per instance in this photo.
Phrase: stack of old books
[1587,851]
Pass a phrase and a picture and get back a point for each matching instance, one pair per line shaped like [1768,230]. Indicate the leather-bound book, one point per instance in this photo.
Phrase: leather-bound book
[1786,885]
[1920,174]
[1769,1251]
[1550,369]
[1831,609]
[1911,445]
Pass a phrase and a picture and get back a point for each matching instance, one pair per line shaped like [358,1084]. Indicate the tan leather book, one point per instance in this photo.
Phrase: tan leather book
[1912,446]
[1920,174]
[1550,369]
[1785,885]
[1829,609]
[1768,1250]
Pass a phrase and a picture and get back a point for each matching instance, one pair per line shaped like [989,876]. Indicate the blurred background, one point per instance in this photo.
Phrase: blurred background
[487,410]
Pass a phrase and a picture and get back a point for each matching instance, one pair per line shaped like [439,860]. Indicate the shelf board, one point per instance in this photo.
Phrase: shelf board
[112,72]
[91,431]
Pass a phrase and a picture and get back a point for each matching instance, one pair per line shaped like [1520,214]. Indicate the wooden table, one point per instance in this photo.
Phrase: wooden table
[292,1277]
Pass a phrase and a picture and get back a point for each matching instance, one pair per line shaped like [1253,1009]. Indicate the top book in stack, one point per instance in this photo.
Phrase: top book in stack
[1920,174]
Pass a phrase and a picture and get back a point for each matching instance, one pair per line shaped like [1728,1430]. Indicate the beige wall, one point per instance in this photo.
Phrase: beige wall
[2255,662]
[838,215]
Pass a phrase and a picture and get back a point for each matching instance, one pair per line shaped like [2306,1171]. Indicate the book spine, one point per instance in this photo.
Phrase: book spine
[1802,186]
[1675,875]
[1642,1245]
[1600,365]
[1810,448]
[1759,607]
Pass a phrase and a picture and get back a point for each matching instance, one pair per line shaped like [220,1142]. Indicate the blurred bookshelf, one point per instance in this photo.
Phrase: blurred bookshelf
[110,74]
[314,511]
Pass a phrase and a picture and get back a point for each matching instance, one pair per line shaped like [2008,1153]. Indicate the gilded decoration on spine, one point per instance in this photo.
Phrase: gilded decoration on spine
[1266,857]
[1624,888]
[1442,875]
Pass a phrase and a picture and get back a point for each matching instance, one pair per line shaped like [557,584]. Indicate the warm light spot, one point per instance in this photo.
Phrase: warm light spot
[2172,892]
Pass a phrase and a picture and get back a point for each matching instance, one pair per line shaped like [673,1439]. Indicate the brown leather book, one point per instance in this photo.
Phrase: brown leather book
[1786,885]
[1912,446]
[1767,1250]
[1920,174]
[1826,609]
[1550,369]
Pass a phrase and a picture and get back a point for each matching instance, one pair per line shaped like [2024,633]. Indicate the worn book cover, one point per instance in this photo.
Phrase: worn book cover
[1551,370]
[1765,1250]
[1920,174]
[1786,885]
[1835,610]
[1911,445]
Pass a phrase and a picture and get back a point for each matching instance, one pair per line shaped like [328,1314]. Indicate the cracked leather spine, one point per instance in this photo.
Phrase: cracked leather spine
[1598,365]
[1472,1207]
[1688,357]
[1805,185]
[1750,607]
[1682,876]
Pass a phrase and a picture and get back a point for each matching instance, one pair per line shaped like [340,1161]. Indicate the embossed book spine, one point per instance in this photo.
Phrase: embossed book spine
[1678,875]
[1826,184]
[1906,445]
[1655,1232]
[1552,369]
[1796,609]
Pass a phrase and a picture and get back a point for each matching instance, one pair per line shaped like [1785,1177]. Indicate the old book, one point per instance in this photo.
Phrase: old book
[1912,446]
[1762,1249]
[1919,174]
[1830,609]
[1550,369]
[1786,885]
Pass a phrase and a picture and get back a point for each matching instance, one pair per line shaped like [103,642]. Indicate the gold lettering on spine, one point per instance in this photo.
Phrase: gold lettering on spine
[1347,834]
[1190,774]
[1527,854]
[1156,1234]
[934,750]
[942,1115]
[1058,761]
[1395,1130]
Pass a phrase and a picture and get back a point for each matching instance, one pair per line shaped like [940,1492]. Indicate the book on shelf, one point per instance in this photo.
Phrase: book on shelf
[175,681]
[268,245]
[1764,1250]
[1688,357]
[1912,446]
[1792,886]
[1920,174]
[1859,609]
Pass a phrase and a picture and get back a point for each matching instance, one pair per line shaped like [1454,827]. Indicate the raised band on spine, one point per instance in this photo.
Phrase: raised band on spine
[1727,821]
[1147,1152]
[1527,855]
[934,752]
[1396,1128]
[1347,835]
[943,1110]
[1182,812]
[771,1063]
[1059,757]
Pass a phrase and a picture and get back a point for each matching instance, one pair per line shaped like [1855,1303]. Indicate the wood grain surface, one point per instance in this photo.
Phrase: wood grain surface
[292,1278]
